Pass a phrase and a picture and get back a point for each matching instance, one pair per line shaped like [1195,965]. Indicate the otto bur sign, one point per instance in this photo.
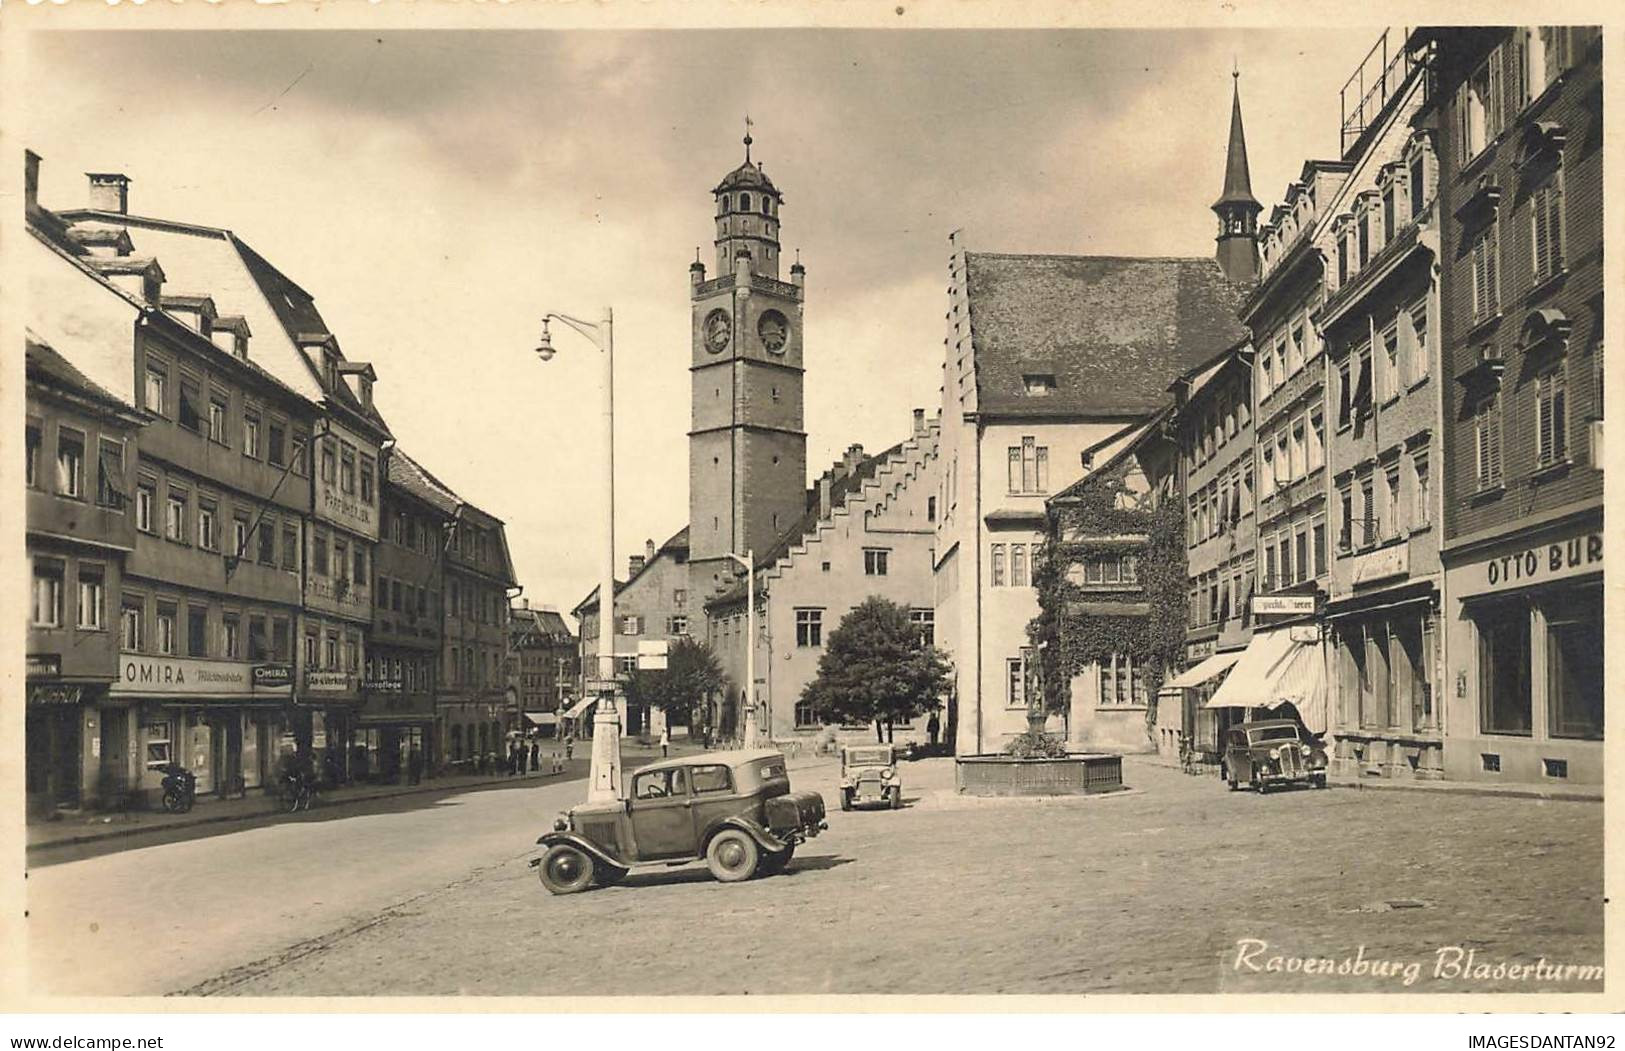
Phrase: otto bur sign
[1563,558]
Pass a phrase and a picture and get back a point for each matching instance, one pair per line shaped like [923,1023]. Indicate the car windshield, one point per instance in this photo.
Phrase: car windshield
[1276,733]
[869,757]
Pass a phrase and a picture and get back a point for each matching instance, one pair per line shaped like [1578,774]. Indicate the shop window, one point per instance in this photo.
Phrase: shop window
[160,744]
[1504,682]
[1574,648]
[1374,696]
[1410,674]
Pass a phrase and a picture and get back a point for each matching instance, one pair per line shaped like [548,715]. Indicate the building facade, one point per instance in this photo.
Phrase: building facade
[868,531]
[1213,425]
[472,712]
[651,605]
[1518,113]
[1380,330]
[402,668]
[543,663]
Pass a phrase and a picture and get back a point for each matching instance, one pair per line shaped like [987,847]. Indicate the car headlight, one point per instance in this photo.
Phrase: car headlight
[1304,748]
[1275,753]
[887,774]
[561,825]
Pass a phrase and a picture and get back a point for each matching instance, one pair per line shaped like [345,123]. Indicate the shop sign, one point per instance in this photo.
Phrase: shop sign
[55,694]
[1198,651]
[182,676]
[1304,633]
[1283,604]
[1564,558]
[328,682]
[44,665]
[273,675]
[1379,565]
[382,685]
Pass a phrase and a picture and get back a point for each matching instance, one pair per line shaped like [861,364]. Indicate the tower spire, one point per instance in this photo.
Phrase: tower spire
[1236,207]
[747,138]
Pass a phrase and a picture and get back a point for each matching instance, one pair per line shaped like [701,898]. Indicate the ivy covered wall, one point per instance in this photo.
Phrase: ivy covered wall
[1104,515]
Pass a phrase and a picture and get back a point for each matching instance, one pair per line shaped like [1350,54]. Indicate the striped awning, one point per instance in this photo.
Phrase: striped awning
[542,718]
[1275,670]
[579,709]
[1205,670]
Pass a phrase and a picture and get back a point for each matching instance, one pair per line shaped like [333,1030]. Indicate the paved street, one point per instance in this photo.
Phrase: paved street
[1156,890]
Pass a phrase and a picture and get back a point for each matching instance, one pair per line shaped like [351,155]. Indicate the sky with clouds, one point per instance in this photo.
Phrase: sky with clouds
[439,191]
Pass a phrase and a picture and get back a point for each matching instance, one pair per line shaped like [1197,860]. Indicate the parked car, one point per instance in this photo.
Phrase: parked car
[735,810]
[869,776]
[1272,752]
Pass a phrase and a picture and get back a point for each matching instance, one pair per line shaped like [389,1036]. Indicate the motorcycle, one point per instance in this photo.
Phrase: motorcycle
[179,788]
[298,791]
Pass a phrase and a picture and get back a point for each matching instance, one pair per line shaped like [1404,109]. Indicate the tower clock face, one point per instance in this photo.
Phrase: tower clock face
[774,330]
[718,331]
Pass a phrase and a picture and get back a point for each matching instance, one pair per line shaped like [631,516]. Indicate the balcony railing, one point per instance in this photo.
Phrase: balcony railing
[1379,75]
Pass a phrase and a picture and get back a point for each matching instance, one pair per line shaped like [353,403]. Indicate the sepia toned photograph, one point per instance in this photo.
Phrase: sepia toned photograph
[750,511]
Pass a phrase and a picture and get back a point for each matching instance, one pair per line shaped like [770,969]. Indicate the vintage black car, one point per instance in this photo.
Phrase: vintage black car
[869,777]
[733,809]
[1272,752]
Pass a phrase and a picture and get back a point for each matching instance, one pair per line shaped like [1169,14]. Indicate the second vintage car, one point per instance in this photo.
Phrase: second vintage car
[1272,752]
[869,776]
[733,809]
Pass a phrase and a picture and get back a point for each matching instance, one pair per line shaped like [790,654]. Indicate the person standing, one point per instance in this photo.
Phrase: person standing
[933,727]
[535,756]
[414,765]
[665,741]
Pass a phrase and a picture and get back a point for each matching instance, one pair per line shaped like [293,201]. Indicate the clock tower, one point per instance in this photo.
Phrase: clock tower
[747,444]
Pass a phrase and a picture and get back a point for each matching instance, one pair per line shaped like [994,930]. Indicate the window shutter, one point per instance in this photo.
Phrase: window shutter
[1554,221]
[1495,105]
[1491,250]
[1515,66]
[1483,447]
[1559,416]
[1463,147]
[1543,414]
[1494,428]
[1543,246]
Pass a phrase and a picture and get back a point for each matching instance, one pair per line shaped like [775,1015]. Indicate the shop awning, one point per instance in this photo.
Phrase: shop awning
[579,709]
[542,718]
[1275,670]
[1204,671]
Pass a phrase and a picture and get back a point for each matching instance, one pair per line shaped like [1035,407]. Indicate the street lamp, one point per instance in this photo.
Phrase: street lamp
[749,736]
[604,775]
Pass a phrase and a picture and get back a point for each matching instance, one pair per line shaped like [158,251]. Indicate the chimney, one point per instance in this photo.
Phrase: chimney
[919,422]
[30,180]
[634,566]
[109,192]
[649,550]
[853,457]
[825,498]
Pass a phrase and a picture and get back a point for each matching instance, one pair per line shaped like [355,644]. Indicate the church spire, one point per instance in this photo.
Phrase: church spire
[1236,207]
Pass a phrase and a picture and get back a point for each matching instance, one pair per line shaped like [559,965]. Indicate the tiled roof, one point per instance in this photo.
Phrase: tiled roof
[414,478]
[1113,331]
[840,488]
[46,364]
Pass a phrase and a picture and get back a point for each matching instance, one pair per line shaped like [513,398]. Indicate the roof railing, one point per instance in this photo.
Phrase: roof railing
[1374,81]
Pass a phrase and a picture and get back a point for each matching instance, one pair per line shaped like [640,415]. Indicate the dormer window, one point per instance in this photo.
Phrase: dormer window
[1038,384]
[366,392]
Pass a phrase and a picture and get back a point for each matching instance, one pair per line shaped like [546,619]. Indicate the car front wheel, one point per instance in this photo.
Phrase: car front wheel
[732,856]
[565,869]
[897,797]
[1230,779]
[846,799]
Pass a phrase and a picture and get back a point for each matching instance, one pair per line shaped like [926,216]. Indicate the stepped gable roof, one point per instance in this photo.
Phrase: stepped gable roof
[43,363]
[677,542]
[1114,331]
[840,489]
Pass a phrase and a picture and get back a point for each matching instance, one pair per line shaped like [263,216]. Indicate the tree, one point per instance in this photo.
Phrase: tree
[692,673]
[877,669]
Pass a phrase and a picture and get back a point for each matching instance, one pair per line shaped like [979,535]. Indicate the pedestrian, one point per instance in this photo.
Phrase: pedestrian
[535,756]
[933,727]
[513,759]
[665,741]
[414,765]
[569,745]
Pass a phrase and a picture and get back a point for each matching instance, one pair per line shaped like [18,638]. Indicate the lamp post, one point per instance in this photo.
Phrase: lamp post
[604,775]
[748,738]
